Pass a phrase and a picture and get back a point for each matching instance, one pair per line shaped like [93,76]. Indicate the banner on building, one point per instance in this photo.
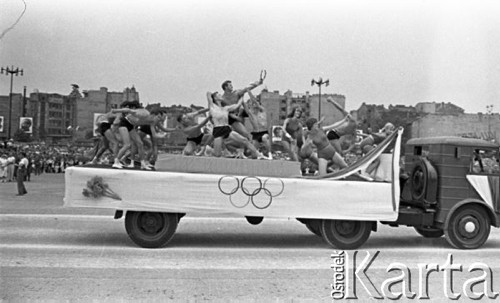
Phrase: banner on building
[98,118]
[26,124]
[1,124]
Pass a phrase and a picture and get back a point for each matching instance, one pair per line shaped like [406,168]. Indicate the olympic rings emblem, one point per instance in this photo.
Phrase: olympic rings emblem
[251,188]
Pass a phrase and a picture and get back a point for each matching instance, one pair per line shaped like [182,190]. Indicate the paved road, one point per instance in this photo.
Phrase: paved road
[48,252]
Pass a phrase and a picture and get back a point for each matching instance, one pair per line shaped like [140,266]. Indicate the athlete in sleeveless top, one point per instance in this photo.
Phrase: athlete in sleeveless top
[325,150]
[231,97]
[293,137]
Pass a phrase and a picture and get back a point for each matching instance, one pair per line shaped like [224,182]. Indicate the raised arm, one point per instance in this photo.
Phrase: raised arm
[334,125]
[285,123]
[336,105]
[210,100]
[159,124]
[189,129]
[234,107]
[253,85]
[200,112]
[122,111]
[254,101]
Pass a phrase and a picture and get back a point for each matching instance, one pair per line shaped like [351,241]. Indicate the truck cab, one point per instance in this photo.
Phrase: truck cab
[450,186]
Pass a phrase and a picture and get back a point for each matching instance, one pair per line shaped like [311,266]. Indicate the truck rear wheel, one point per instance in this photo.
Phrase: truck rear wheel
[468,227]
[428,232]
[150,229]
[346,234]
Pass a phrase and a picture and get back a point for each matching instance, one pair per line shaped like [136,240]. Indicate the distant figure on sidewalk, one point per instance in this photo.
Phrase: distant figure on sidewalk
[11,160]
[3,168]
[21,173]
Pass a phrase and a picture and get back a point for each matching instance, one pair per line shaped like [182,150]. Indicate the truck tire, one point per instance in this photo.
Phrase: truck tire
[346,234]
[468,227]
[427,232]
[423,182]
[150,229]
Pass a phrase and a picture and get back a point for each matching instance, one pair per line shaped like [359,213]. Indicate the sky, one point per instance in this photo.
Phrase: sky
[173,52]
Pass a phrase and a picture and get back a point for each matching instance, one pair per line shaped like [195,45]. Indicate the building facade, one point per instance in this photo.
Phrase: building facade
[97,102]
[482,126]
[6,119]
[279,106]
[330,113]
[439,108]
[275,105]
[53,114]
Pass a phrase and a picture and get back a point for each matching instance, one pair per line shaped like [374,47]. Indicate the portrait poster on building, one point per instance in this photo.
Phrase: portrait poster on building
[26,124]
[277,133]
[1,124]
[98,118]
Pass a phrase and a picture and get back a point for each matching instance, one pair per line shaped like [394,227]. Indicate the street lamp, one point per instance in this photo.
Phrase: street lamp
[489,108]
[319,83]
[12,72]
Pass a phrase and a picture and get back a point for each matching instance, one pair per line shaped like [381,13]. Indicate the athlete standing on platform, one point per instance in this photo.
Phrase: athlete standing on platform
[149,134]
[222,132]
[193,131]
[326,152]
[346,126]
[232,96]
[132,115]
[293,137]
[108,138]
[258,118]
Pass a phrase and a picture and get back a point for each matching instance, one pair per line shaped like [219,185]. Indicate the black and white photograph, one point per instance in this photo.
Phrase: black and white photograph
[277,133]
[249,151]
[26,124]
[98,119]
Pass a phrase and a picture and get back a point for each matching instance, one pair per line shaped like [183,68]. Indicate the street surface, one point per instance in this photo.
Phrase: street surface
[48,252]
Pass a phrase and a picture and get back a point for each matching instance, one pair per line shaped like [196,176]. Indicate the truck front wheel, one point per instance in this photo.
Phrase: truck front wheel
[468,227]
[346,234]
[150,229]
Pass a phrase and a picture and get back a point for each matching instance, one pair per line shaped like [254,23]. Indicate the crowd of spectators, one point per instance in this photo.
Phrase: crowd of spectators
[42,158]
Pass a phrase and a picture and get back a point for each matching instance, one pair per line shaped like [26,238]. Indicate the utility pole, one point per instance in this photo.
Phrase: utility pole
[319,83]
[12,71]
[489,109]
[24,101]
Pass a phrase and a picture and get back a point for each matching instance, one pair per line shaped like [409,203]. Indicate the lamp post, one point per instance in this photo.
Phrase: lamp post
[319,83]
[12,72]
[489,109]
